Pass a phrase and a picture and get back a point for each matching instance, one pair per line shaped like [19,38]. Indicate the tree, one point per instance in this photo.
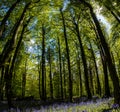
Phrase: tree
[43,63]
[10,45]
[4,20]
[60,67]
[107,53]
[112,7]
[63,52]
[50,73]
[68,57]
[104,64]
[96,70]
[76,26]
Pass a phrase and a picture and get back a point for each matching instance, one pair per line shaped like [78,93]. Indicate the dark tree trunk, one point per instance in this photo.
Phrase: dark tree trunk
[39,72]
[105,70]
[118,66]
[104,64]
[60,68]
[79,73]
[106,81]
[8,85]
[43,64]
[85,67]
[11,69]
[117,18]
[3,22]
[68,57]
[111,66]
[2,83]
[64,78]
[91,79]
[113,13]
[80,77]
[24,79]
[96,70]
[83,60]
[50,74]
[23,84]
[18,46]
[45,85]
[10,45]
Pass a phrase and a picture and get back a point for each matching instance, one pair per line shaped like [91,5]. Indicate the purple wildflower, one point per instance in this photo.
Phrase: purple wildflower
[115,106]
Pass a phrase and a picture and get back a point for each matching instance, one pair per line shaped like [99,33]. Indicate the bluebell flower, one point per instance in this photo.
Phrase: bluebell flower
[115,106]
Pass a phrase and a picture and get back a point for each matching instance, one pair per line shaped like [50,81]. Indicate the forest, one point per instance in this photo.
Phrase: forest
[59,51]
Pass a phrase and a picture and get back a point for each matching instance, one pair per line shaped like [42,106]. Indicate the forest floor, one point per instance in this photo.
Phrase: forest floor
[100,105]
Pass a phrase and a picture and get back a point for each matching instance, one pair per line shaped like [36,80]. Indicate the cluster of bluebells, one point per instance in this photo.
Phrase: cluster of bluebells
[101,105]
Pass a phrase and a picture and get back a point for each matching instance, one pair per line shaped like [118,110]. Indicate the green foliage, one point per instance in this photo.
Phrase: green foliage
[46,12]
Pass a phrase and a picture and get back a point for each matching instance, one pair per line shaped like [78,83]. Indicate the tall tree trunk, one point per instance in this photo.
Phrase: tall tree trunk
[76,26]
[96,70]
[83,60]
[24,79]
[11,67]
[2,83]
[79,72]
[80,77]
[113,13]
[39,72]
[68,57]
[45,80]
[118,66]
[60,68]
[104,64]
[7,56]
[111,66]
[8,85]
[50,74]
[91,78]
[105,70]
[11,44]
[64,78]
[4,20]
[43,64]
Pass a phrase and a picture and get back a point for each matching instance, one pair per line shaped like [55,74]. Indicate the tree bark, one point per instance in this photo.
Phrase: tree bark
[64,77]
[113,13]
[105,71]
[84,61]
[11,44]
[6,56]
[111,66]
[96,70]
[11,66]
[2,83]
[39,72]
[104,64]
[80,77]
[4,20]
[43,64]
[50,74]
[68,57]
[91,79]
[24,79]
[8,83]
[60,68]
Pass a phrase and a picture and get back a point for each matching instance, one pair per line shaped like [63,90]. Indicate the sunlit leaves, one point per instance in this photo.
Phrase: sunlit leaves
[47,13]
